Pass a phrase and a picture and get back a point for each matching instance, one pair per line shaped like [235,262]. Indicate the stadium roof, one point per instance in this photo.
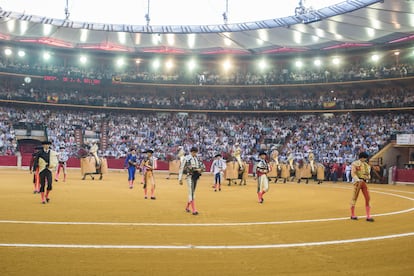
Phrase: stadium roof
[348,24]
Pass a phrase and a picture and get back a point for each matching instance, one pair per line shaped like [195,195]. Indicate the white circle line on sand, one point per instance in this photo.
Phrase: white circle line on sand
[399,191]
[214,247]
[381,192]
[192,224]
[209,224]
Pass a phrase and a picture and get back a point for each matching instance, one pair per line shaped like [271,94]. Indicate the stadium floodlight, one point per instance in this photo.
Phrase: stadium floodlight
[226,65]
[8,52]
[302,9]
[21,53]
[147,15]
[336,61]
[299,64]
[169,64]
[191,65]
[262,64]
[46,55]
[226,13]
[120,62]
[83,59]
[375,57]
[317,62]
[67,12]
[156,64]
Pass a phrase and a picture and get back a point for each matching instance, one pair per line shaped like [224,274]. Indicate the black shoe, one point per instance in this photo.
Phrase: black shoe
[43,202]
[47,200]
[153,198]
[370,219]
[354,218]
[187,210]
[195,213]
[261,201]
[145,197]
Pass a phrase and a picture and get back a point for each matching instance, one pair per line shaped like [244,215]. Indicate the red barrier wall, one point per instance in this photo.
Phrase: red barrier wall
[75,163]
[26,159]
[8,160]
[404,175]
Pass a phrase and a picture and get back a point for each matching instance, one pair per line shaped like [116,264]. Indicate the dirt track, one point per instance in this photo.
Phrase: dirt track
[94,227]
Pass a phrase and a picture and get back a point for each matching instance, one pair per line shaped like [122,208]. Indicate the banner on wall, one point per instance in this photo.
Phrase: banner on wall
[52,99]
[329,104]
[405,139]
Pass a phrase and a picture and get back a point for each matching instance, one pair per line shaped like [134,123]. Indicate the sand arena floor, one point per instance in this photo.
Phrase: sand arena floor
[100,227]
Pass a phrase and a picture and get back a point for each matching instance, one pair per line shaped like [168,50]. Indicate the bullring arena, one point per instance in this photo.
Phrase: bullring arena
[100,227]
[317,100]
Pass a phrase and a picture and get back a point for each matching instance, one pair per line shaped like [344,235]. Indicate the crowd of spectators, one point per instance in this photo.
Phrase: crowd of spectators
[280,74]
[356,98]
[333,138]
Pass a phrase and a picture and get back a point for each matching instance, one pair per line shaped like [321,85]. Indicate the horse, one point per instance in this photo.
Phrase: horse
[285,172]
[173,168]
[320,172]
[234,171]
[90,167]
[303,171]
[275,168]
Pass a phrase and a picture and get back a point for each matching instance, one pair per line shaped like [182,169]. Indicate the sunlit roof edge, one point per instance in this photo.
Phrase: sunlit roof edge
[307,18]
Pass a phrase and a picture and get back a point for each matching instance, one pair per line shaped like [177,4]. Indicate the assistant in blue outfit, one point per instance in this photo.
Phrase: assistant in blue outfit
[131,163]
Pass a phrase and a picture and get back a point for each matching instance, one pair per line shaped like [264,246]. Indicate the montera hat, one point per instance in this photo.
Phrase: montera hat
[46,143]
[363,155]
